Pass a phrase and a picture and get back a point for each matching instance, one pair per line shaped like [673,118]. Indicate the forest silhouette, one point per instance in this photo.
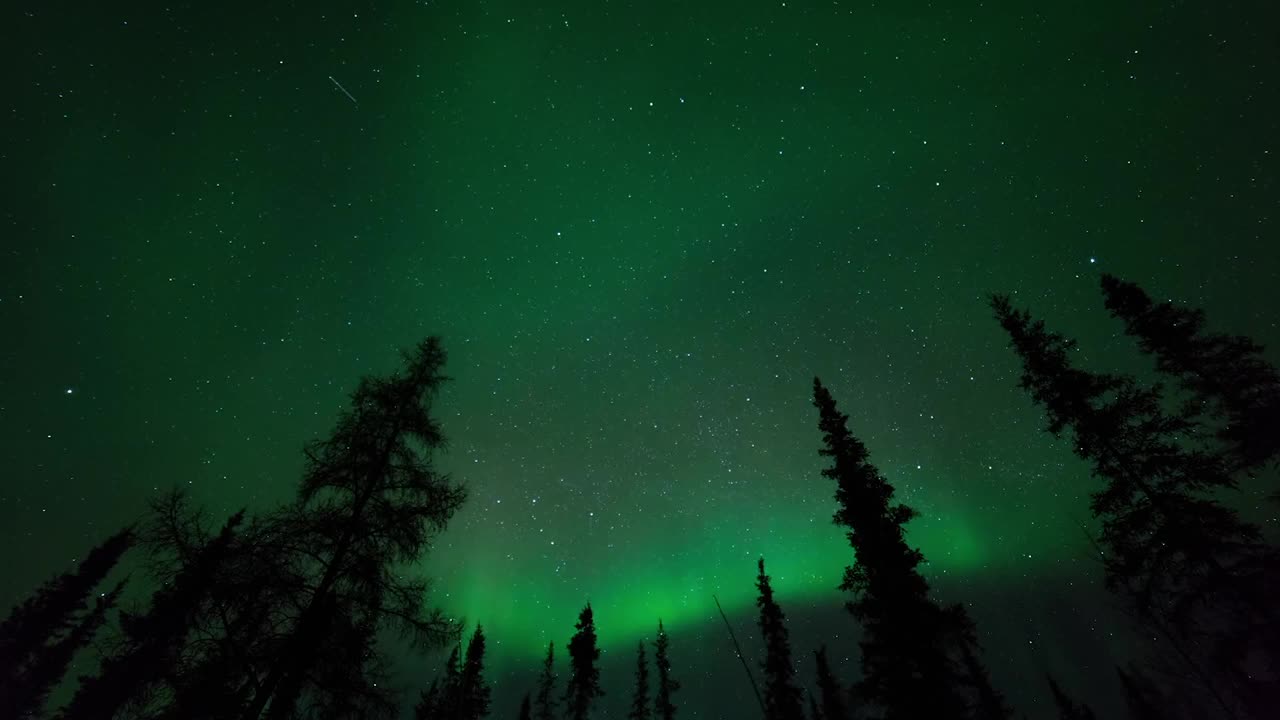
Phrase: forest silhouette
[278,613]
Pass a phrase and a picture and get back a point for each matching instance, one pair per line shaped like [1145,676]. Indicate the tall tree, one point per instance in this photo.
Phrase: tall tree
[1226,375]
[41,636]
[1067,708]
[640,698]
[473,691]
[833,694]
[428,699]
[583,687]
[782,698]
[911,647]
[663,706]
[370,501]
[154,641]
[1187,565]
[525,710]
[547,685]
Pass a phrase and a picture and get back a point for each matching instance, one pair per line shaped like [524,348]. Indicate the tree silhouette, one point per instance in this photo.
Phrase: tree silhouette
[1186,564]
[1225,375]
[152,642]
[473,691]
[911,647]
[1067,708]
[428,699]
[41,636]
[584,677]
[663,707]
[640,698]
[547,686]
[525,710]
[369,502]
[782,698]
[989,703]
[833,694]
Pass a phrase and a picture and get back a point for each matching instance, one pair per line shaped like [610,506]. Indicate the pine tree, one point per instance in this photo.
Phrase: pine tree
[584,677]
[54,607]
[371,500]
[28,690]
[640,698]
[1067,708]
[833,695]
[547,686]
[663,706]
[153,641]
[427,701]
[525,710]
[40,637]
[911,647]
[473,691]
[782,698]
[1187,566]
[1225,375]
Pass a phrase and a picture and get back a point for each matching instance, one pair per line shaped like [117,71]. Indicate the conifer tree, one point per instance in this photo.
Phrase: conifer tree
[640,698]
[782,698]
[584,677]
[663,706]
[833,694]
[154,641]
[28,689]
[525,710]
[53,609]
[1225,375]
[40,637]
[912,648]
[473,691]
[428,699]
[1187,566]
[1067,708]
[370,500]
[547,686]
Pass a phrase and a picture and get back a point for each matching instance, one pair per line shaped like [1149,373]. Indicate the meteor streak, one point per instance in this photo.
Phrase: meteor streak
[344,90]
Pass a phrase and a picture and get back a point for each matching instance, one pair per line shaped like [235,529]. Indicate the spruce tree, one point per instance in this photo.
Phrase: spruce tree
[1186,565]
[833,694]
[782,698]
[1067,708]
[640,698]
[428,699]
[371,500]
[1226,376]
[663,706]
[912,648]
[525,709]
[28,688]
[547,686]
[584,677]
[40,637]
[473,691]
[152,642]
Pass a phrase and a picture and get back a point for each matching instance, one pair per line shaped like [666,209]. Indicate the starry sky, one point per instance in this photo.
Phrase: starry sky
[641,229]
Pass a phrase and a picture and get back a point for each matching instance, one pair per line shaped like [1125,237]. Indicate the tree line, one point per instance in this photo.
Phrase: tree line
[278,614]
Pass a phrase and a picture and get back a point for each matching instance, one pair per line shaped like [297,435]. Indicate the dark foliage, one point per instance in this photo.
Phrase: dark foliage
[370,501]
[833,694]
[640,697]
[153,642]
[546,701]
[911,648]
[988,703]
[782,698]
[1067,708]
[663,706]
[583,687]
[1226,376]
[1185,563]
[42,635]
[525,708]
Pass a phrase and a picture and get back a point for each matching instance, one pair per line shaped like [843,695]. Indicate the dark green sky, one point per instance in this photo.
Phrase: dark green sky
[641,229]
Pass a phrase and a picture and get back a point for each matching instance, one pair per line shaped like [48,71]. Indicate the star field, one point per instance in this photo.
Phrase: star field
[641,229]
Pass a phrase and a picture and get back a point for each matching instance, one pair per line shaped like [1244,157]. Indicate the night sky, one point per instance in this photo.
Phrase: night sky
[641,228]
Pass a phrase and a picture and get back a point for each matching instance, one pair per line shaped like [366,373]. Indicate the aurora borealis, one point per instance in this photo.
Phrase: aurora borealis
[641,229]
